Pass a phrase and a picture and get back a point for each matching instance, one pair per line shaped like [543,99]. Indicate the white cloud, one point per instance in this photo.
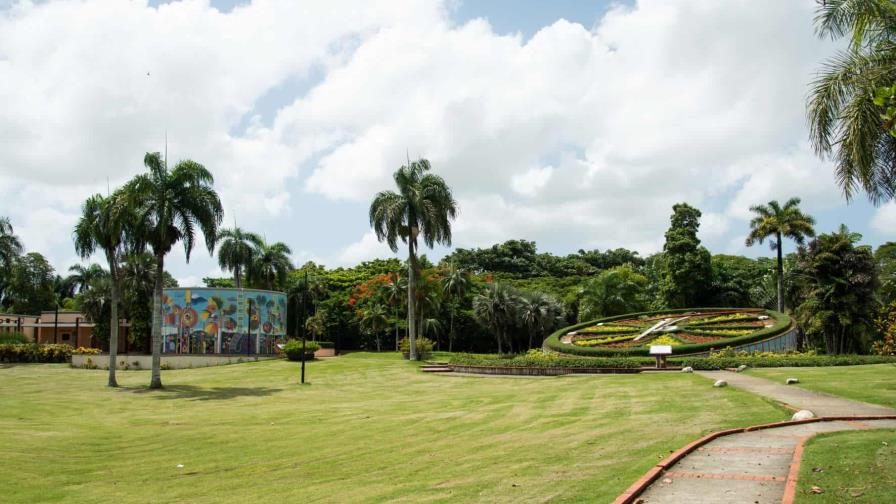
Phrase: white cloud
[576,137]
[884,220]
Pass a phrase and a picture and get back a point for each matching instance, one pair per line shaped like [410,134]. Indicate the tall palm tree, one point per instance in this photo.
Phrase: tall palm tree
[422,207]
[172,204]
[773,220]
[10,244]
[104,225]
[270,264]
[844,122]
[454,284]
[236,251]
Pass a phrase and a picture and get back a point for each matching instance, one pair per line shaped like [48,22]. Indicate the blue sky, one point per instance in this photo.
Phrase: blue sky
[576,124]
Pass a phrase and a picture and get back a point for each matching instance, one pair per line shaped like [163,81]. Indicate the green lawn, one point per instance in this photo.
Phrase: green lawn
[872,383]
[369,428]
[849,467]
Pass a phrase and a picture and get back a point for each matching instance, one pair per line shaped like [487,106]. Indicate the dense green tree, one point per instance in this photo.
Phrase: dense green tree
[374,320]
[779,222]
[80,277]
[845,124]
[394,293]
[270,264]
[538,314]
[687,268]
[885,255]
[455,284]
[236,252]
[173,204]
[30,287]
[838,281]
[615,291]
[739,281]
[422,207]
[138,271]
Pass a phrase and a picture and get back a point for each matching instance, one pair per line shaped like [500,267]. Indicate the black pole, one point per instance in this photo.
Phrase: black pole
[56,324]
[302,330]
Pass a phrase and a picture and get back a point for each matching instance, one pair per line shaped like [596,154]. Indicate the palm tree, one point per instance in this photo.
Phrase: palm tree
[535,311]
[172,203]
[270,263]
[844,122]
[104,225]
[780,222]
[82,276]
[10,245]
[317,324]
[455,284]
[422,207]
[496,308]
[394,291]
[374,320]
[236,251]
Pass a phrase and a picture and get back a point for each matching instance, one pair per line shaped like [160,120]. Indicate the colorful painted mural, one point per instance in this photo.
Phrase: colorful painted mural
[222,321]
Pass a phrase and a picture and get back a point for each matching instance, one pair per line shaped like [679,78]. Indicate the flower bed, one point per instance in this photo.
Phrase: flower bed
[689,331]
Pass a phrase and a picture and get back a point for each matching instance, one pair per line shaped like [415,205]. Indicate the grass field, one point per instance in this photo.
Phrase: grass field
[849,467]
[873,383]
[368,428]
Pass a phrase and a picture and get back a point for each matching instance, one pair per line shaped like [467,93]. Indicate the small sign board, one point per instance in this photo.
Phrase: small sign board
[660,349]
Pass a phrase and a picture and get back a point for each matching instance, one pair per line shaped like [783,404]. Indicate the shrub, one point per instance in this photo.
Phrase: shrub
[86,351]
[293,349]
[537,358]
[13,338]
[424,346]
[32,352]
[326,344]
[726,360]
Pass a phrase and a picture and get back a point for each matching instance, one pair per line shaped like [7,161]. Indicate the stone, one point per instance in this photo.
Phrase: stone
[803,415]
[741,368]
[720,383]
[687,369]
[792,381]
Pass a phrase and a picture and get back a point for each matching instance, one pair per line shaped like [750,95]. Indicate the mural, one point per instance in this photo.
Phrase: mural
[222,321]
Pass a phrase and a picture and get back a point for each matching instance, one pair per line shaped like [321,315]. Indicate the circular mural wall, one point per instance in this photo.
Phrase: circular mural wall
[202,320]
[687,331]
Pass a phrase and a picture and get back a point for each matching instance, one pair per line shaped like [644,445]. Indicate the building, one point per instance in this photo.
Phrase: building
[62,327]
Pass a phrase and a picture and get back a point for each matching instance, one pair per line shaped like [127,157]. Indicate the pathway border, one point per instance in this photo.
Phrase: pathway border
[630,495]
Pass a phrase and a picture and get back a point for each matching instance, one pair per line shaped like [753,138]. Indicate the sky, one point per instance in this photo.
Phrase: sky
[577,124]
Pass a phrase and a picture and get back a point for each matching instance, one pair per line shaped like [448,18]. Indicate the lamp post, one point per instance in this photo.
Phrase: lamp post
[248,324]
[302,329]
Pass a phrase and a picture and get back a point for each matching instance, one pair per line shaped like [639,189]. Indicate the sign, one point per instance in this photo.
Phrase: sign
[660,349]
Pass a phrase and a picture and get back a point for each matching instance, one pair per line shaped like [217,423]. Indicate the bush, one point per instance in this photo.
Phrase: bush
[86,351]
[424,346]
[293,349]
[12,338]
[326,344]
[32,352]
[537,358]
[726,360]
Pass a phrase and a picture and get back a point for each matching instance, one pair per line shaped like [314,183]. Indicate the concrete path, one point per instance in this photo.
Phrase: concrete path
[757,466]
[798,398]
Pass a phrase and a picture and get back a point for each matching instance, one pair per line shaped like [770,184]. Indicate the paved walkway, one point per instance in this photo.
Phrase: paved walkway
[756,466]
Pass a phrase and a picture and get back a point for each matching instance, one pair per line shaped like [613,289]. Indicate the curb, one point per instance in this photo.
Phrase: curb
[630,495]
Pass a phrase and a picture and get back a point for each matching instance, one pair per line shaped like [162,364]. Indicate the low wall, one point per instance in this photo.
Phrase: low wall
[325,352]
[539,371]
[101,361]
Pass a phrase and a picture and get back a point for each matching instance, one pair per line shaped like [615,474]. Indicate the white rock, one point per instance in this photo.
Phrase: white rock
[741,368]
[720,383]
[180,466]
[792,381]
[803,415]
[687,369]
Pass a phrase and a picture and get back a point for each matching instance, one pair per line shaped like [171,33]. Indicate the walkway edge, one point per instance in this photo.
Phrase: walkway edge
[631,494]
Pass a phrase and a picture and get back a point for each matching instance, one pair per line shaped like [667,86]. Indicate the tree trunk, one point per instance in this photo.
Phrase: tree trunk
[397,347]
[451,330]
[500,338]
[156,381]
[780,276]
[236,277]
[412,299]
[531,337]
[113,328]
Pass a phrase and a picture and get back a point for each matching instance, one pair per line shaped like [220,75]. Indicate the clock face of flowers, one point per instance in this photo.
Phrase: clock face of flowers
[672,329]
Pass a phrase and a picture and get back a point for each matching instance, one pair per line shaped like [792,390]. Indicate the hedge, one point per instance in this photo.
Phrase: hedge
[293,349]
[716,362]
[782,324]
[33,352]
[326,344]
[13,338]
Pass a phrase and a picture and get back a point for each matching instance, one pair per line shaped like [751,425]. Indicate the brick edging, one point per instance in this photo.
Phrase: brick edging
[630,495]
